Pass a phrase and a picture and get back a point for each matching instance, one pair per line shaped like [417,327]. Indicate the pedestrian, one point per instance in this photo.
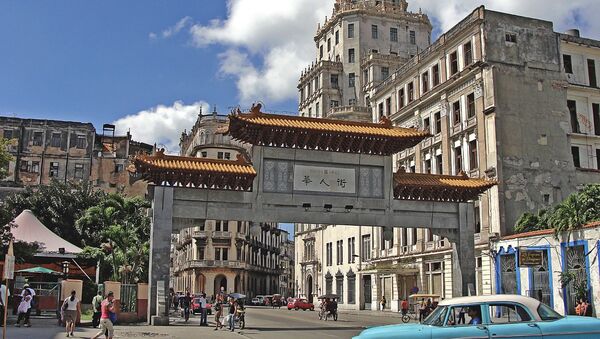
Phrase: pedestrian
[582,307]
[203,310]
[186,302]
[232,311]
[4,294]
[382,302]
[106,325]
[23,310]
[218,312]
[404,306]
[31,292]
[71,310]
[96,303]
[422,310]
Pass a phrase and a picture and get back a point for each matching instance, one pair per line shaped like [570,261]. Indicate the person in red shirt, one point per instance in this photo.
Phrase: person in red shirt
[106,325]
[404,307]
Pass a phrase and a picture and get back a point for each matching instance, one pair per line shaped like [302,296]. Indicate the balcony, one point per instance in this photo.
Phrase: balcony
[199,234]
[221,235]
[241,236]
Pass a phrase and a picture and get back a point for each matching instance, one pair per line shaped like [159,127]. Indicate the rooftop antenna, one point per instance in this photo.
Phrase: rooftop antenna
[214,110]
[200,111]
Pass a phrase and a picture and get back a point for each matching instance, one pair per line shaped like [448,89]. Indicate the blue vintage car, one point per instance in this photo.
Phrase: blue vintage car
[487,317]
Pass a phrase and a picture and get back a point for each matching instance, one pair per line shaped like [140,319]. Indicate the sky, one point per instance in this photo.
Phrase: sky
[148,66]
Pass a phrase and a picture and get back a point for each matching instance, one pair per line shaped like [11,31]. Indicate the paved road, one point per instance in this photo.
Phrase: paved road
[262,323]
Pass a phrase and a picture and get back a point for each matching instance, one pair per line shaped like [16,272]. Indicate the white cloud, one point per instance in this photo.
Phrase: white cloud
[170,31]
[269,42]
[162,124]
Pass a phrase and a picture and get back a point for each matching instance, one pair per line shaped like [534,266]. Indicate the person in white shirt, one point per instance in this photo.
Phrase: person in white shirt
[28,291]
[4,294]
[71,309]
[203,310]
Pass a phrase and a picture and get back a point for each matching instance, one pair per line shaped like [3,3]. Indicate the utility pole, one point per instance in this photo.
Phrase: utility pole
[9,271]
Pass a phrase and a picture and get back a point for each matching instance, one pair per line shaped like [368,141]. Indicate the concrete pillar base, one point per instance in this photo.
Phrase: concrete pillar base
[159,320]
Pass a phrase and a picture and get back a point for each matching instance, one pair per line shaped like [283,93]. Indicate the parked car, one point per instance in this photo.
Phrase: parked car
[300,304]
[255,301]
[493,316]
[196,306]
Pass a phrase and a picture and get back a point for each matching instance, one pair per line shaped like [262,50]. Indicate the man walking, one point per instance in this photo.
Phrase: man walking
[96,303]
[203,310]
[106,326]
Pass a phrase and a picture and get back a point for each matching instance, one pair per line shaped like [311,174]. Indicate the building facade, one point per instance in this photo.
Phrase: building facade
[504,97]
[494,94]
[236,256]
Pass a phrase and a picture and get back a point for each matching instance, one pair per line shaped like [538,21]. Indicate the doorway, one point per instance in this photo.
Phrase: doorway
[367,291]
[309,289]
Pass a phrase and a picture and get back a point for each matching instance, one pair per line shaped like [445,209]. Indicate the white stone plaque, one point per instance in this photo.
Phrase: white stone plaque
[324,179]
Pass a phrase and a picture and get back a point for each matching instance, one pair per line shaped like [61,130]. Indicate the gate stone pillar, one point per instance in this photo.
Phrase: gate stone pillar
[463,250]
[160,251]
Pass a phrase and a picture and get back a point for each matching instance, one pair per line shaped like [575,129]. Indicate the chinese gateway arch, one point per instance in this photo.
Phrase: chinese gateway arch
[306,170]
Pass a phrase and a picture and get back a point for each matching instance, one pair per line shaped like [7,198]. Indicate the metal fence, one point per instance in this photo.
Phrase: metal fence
[128,298]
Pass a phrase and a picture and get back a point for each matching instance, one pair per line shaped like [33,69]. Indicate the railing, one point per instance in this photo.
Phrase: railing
[200,234]
[128,298]
[221,235]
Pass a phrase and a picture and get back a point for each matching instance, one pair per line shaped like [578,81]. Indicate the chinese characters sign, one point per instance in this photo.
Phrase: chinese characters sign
[324,179]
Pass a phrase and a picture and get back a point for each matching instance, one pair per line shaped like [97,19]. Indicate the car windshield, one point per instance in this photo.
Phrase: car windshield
[546,313]
[436,318]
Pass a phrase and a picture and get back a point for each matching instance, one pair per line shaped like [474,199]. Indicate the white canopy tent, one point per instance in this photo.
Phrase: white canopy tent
[30,229]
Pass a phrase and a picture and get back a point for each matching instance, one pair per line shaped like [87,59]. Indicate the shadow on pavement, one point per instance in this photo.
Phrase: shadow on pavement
[287,329]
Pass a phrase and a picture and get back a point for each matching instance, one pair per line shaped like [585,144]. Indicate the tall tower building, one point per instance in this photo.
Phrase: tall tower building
[356,49]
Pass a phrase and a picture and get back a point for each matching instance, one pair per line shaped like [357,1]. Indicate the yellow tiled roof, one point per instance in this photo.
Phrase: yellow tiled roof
[450,181]
[166,162]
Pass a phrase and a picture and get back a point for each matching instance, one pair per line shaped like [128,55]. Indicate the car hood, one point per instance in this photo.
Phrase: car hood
[395,331]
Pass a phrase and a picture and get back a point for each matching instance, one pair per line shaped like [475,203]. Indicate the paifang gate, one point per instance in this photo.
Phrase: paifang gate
[305,170]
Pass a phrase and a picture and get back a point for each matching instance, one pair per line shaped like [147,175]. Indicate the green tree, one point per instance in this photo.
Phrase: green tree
[5,157]
[121,228]
[532,222]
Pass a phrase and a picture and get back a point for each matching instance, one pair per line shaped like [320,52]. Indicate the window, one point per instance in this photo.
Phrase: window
[572,105]
[321,52]
[329,258]
[8,134]
[220,155]
[598,158]
[592,73]
[473,154]
[568,64]
[24,166]
[596,117]
[53,170]
[37,138]
[366,248]
[412,37]
[351,287]
[393,34]
[227,156]
[119,168]
[468,53]
[221,253]
[456,112]
[435,71]
[334,81]
[385,73]
[508,313]
[437,118]
[425,81]
[349,250]
[328,283]
[350,31]
[401,98]
[546,313]
[351,102]
[351,56]
[337,36]
[427,124]
[329,45]
[340,252]
[457,159]
[439,164]
[411,92]
[374,33]
[388,106]
[351,78]
[471,105]
[55,140]
[511,37]
[337,58]
[81,141]
[339,286]
[459,315]
[453,63]
[427,165]
[575,153]
[335,103]
[204,154]
[380,110]
[78,174]
[317,109]
[413,236]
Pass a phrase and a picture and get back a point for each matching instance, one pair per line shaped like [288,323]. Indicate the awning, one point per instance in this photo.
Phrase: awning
[38,270]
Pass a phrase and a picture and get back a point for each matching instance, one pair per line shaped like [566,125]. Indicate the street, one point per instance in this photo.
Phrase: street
[262,323]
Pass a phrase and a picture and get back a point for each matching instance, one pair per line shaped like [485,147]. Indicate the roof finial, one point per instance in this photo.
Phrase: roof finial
[255,110]
[214,110]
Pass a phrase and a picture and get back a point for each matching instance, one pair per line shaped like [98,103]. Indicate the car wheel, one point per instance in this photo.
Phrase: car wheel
[312,308]
[296,308]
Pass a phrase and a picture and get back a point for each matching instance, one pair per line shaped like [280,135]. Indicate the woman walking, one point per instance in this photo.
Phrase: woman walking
[106,308]
[231,316]
[219,312]
[71,309]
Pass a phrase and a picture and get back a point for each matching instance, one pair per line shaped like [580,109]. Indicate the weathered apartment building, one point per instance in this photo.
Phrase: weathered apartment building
[237,256]
[46,150]
[504,97]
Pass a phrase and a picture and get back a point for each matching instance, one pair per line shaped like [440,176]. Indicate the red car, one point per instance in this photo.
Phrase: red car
[300,304]
[196,306]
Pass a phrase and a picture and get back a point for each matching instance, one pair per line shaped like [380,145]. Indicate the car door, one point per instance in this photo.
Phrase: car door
[510,320]
[457,324]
